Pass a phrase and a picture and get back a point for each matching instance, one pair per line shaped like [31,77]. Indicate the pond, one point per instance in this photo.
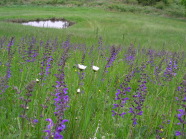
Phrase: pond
[48,24]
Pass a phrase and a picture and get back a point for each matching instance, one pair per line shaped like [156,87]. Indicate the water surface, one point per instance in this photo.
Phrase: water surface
[48,24]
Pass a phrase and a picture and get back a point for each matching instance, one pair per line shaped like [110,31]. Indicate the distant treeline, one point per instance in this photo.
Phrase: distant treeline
[142,2]
[172,6]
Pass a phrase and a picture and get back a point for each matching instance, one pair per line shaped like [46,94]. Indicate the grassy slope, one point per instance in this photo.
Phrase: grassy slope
[113,27]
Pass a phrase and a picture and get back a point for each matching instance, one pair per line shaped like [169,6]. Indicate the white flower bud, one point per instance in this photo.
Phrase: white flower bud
[82,67]
[78,90]
[95,68]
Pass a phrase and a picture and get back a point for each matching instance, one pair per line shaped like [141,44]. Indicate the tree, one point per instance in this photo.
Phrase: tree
[151,2]
[183,2]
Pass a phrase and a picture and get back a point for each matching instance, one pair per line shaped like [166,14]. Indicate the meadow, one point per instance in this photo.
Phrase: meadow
[111,75]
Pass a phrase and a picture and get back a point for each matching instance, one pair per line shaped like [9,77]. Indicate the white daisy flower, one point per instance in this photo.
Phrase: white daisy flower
[95,68]
[82,67]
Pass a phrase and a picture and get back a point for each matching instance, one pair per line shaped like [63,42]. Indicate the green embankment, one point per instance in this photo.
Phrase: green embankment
[90,23]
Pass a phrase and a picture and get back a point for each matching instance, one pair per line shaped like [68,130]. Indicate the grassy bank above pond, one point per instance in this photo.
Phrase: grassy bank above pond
[90,23]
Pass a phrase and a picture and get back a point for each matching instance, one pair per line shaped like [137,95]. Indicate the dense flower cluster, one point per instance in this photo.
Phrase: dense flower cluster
[46,64]
[170,69]
[61,102]
[181,101]
[26,99]
[29,54]
[4,80]
[113,53]
[130,55]
[121,96]
[139,99]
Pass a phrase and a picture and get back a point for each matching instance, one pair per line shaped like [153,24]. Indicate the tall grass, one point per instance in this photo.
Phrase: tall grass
[154,78]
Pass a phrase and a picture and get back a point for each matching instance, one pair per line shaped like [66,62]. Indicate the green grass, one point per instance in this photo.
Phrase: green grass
[91,23]
[90,113]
